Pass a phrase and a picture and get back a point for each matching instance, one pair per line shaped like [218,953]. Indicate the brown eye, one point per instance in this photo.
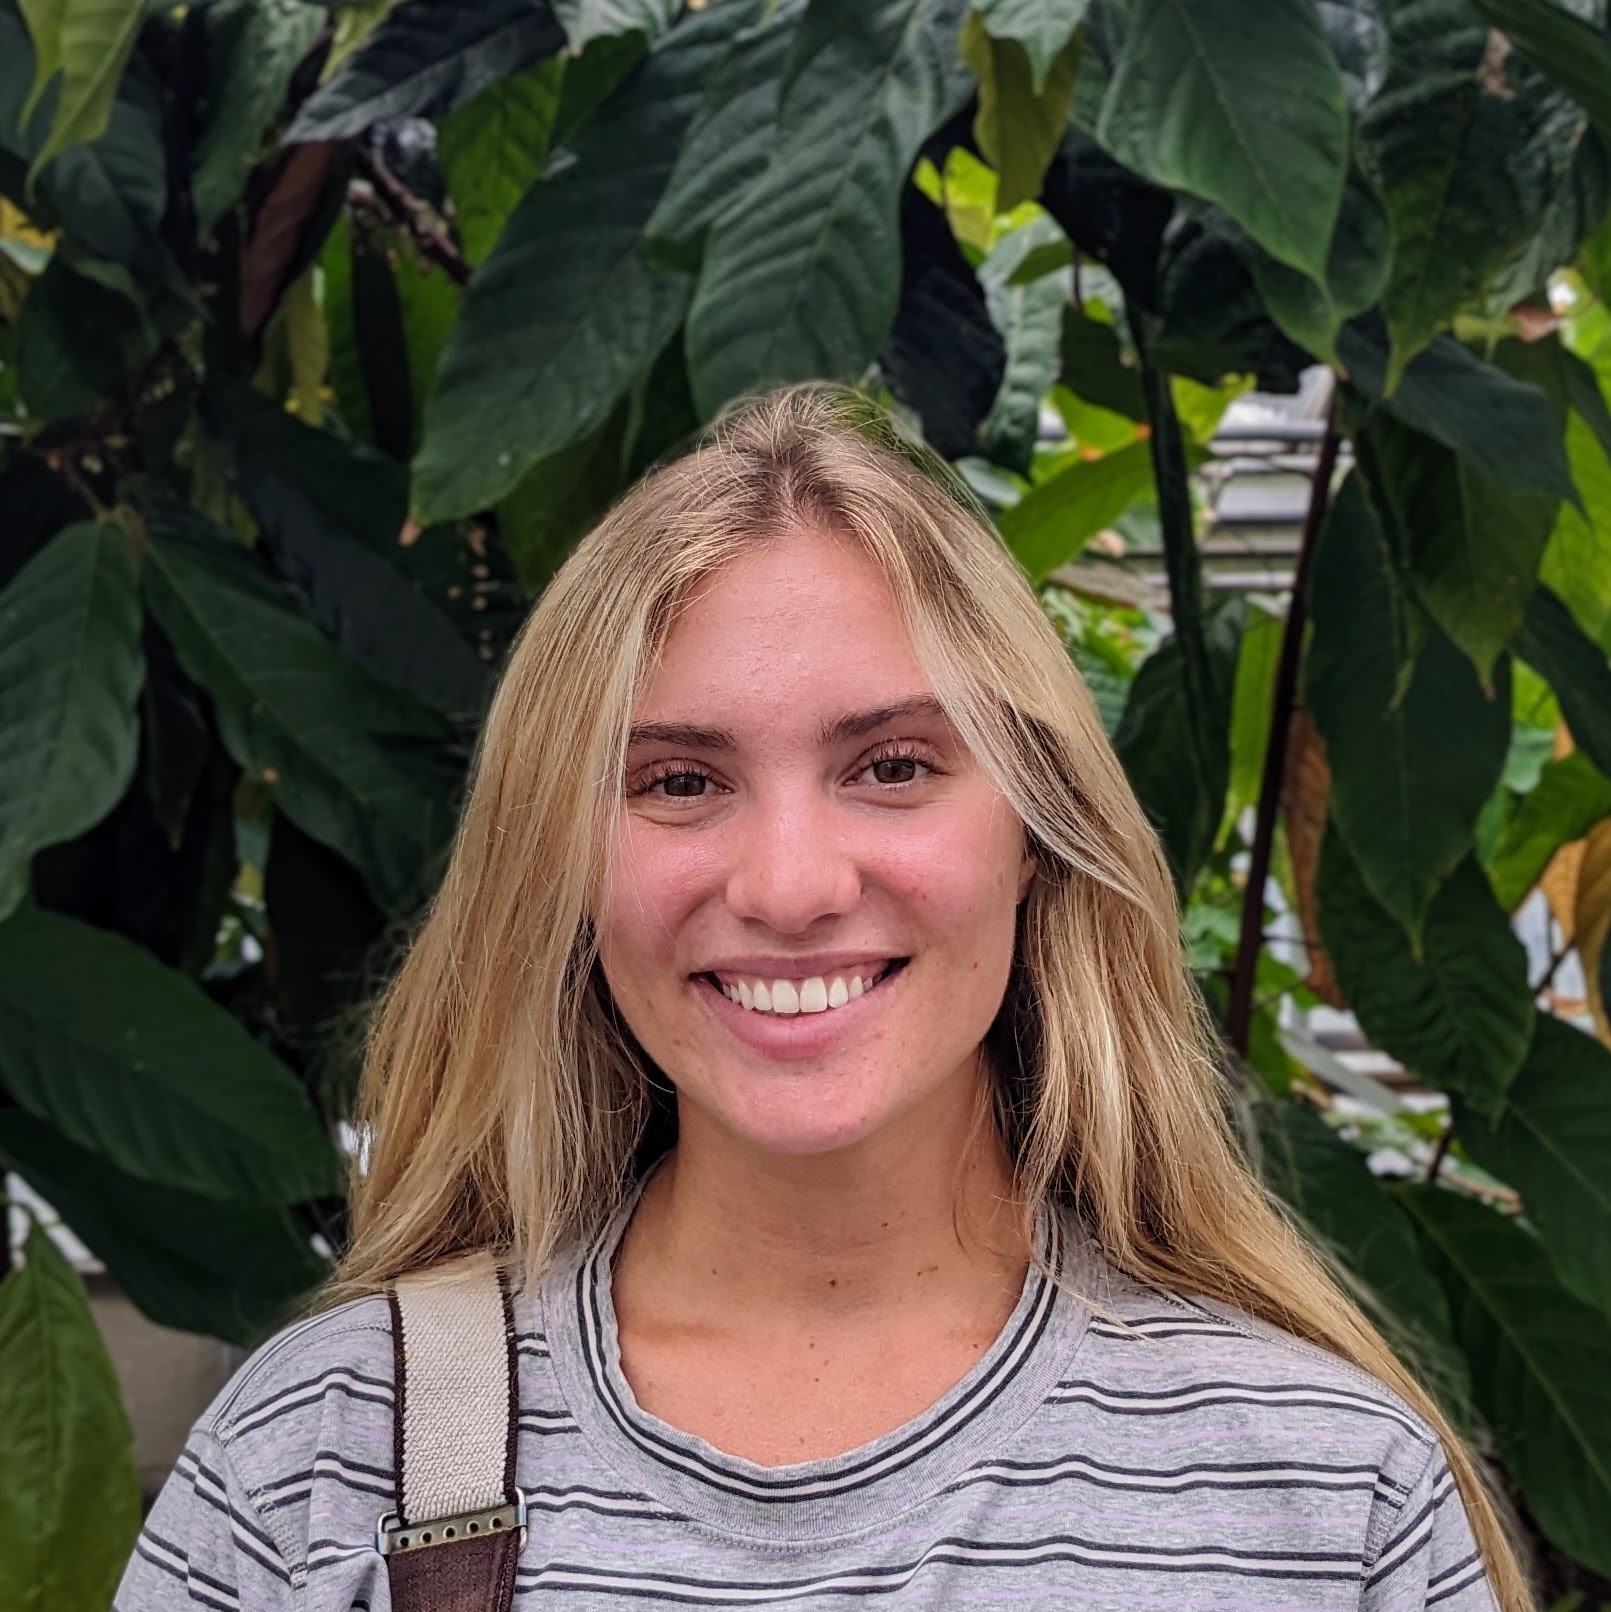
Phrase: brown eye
[903,770]
[685,784]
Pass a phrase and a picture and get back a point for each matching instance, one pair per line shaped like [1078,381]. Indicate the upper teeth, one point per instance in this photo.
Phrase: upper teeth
[814,995]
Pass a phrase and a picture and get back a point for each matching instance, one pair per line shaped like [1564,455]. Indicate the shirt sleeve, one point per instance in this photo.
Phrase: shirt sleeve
[1430,1558]
[204,1538]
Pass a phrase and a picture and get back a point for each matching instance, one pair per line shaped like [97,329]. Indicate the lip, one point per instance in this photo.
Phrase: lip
[795,1036]
[766,966]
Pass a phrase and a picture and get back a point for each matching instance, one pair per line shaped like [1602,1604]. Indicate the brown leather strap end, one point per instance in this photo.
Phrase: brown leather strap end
[467,1576]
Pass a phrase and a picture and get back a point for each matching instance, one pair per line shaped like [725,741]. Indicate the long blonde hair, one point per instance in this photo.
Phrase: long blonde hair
[505,1105]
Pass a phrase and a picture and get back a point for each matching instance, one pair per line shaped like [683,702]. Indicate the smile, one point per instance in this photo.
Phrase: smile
[816,993]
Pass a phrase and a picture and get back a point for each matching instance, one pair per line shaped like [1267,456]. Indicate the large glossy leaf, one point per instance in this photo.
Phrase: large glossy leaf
[1506,429]
[1553,644]
[135,1062]
[1552,1142]
[944,357]
[331,517]
[1540,1365]
[1571,796]
[65,1438]
[1459,1015]
[1311,311]
[1331,1187]
[1240,107]
[1030,319]
[586,20]
[70,672]
[1469,150]
[1095,366]
[730,140]
[1049,525]
[1414,746]
[569,310]
[253,47]
[353,762]
[1573,52]
[1042,27]
[426,58]
[232,1270]
[803,280]
[1472,546]
[89,42]
[1175,752]
[493,149]
[1019,125]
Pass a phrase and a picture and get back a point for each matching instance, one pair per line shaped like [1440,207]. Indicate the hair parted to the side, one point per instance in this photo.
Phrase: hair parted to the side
[503,1104]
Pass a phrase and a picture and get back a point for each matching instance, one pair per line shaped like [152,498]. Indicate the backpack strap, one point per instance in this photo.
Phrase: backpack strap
[453,1542]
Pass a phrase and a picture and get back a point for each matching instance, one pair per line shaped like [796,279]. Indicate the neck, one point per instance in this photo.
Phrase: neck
[926,1216]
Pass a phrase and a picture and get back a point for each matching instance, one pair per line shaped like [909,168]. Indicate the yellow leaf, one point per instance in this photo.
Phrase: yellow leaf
[87,43]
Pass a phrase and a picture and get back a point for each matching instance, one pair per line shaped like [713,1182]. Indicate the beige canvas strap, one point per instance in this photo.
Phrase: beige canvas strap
[452,1543]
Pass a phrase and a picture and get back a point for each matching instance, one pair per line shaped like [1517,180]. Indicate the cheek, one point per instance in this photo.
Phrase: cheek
[657,880]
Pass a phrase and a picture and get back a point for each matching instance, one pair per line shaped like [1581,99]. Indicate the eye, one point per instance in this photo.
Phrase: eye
[680,781]
[897,766]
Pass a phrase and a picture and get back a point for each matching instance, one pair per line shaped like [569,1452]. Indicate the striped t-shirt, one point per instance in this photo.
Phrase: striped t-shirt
[1148,1451]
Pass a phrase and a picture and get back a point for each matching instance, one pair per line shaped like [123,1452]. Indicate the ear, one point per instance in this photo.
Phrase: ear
[1026,875]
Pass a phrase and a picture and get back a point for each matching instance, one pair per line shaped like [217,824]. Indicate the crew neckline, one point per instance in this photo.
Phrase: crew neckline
[834,1495]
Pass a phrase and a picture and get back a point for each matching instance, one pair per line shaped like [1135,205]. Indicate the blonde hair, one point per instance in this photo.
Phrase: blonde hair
[505,1105]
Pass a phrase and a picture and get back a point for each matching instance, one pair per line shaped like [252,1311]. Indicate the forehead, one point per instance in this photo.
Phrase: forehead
[803,622]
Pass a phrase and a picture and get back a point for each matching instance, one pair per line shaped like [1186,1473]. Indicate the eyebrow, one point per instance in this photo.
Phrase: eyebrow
[854,725]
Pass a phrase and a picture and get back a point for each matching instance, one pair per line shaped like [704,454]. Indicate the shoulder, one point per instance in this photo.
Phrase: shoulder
[1176,1367]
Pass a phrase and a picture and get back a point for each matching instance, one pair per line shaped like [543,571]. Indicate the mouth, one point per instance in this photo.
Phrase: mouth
[814,994]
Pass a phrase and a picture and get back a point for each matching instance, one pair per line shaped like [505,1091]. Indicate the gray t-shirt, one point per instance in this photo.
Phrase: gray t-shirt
[1155,1452]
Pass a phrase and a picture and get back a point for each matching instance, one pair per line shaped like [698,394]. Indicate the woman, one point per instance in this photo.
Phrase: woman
[803,1012]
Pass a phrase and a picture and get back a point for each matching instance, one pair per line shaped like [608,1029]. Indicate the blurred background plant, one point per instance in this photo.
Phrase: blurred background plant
[326,330]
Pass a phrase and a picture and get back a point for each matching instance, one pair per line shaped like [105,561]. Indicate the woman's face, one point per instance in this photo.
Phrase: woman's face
[814,886]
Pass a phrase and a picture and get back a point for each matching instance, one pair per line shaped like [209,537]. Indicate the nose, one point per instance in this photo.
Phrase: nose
[791,862]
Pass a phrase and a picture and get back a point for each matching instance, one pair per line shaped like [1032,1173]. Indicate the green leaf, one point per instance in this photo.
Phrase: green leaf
[427,58]
[230,1270]
[1472,547]
[1540,1365]
[1050,524]
[1311,311]
[1019,124]
[586,20]
[1251,701]
[135,1062]
[1042,28]
[331,517]
[1553,644]
[1577,562]
[1506,429]
[70,674]
[492,150]
[253,47]
[356,764]
[803,279]
[558,499]
[1346,1207]
[1030,319]
[1096,367]
[730,141]
[1552,1142]
[111,193]
[1414,746]
[89,42]
[1460,1014]
[1173,740]
[69,1517]
[1571,796]
[1240,107]
[569,310]
[1469,150]
[1574,53]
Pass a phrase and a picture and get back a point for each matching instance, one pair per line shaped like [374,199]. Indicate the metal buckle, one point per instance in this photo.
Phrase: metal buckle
[392,1537]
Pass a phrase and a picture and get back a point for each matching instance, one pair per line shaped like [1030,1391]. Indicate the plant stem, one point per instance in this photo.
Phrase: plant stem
[1238,1010]
[1441,1153]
